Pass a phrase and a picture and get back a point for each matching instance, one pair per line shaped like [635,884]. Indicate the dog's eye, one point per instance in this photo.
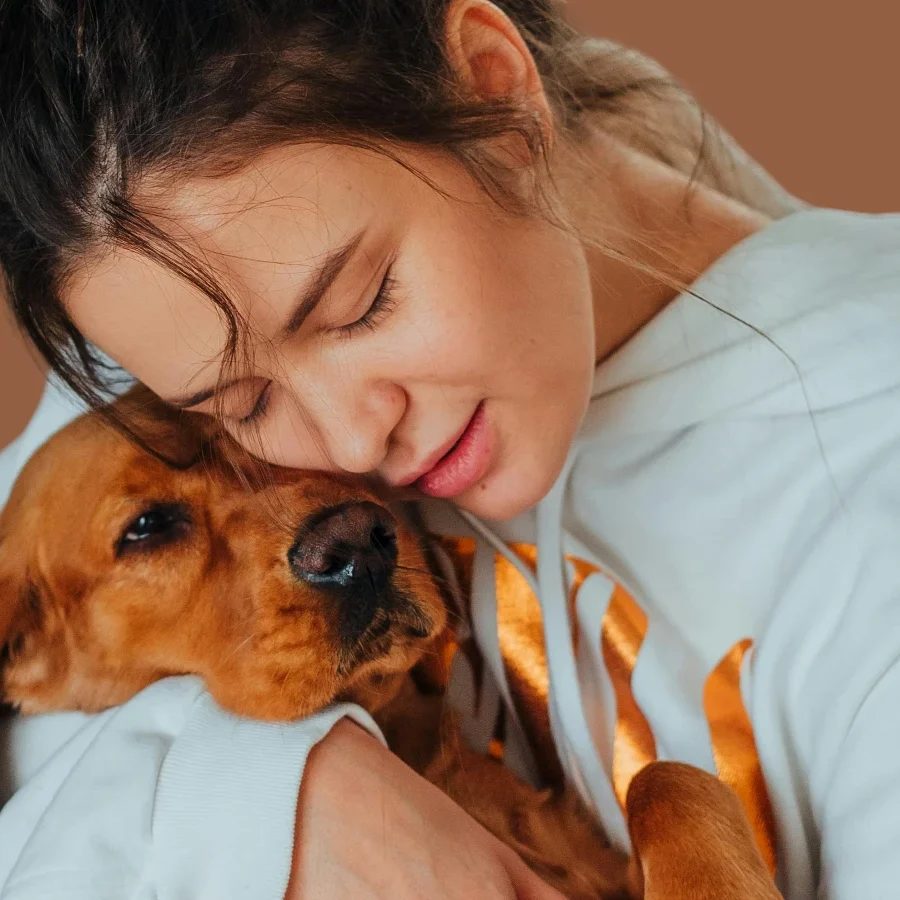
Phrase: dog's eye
[155,527]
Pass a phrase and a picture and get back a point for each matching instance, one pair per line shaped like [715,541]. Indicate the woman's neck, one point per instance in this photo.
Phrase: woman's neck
[652,234]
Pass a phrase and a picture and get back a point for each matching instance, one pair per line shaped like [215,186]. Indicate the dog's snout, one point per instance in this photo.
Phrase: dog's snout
[344,546]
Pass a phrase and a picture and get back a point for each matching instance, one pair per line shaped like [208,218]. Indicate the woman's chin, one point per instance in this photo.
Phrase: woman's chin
[510,492]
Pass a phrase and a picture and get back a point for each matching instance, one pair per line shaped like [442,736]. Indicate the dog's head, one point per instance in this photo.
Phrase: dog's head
[117,569]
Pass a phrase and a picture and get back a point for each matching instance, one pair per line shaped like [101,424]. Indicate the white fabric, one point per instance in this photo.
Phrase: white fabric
[747,485]
[165,797]
[739,489]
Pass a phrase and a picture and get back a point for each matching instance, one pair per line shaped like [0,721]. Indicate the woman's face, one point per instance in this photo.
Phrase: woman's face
[431,340]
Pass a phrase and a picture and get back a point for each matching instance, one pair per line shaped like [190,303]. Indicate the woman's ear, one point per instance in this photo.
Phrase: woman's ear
[492,60]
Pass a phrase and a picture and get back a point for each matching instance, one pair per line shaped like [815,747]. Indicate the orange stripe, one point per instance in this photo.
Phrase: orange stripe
[622,634]
[520,632]
[623,631]
[734,747]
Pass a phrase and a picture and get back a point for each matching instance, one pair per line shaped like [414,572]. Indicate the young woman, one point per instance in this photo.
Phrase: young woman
[454,245]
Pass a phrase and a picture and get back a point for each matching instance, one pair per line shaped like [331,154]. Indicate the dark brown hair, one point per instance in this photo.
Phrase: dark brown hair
[95,95]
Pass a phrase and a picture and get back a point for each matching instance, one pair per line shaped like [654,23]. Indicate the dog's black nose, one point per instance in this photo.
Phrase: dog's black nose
[352,545]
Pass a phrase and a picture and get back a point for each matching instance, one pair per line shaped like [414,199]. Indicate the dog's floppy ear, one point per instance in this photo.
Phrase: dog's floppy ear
[691,839]
[12,598]
[166,433]
[8,605]
[22,608]
[175,436]
[10,591]
[29,647]
[182,437]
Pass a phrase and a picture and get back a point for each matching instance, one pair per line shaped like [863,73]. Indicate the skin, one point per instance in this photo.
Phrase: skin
[512,312]
[486,306]
[378,400]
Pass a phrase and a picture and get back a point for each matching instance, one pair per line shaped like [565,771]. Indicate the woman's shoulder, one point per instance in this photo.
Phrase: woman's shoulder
[820,229]
[801,316]
[819,222]
[817,295]
[815,254]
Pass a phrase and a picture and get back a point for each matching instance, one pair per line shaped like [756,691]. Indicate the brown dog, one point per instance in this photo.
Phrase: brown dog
[285,594]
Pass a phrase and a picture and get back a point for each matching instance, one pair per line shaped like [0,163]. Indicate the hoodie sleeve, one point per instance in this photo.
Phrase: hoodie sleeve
[165,798]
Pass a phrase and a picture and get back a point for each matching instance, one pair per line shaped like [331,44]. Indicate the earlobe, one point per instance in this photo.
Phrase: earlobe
[490,57]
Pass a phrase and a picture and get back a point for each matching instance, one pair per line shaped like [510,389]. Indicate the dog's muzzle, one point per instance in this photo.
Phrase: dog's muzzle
[350,551]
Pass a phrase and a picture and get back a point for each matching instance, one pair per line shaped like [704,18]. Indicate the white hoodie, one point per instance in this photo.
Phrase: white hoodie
[715,578]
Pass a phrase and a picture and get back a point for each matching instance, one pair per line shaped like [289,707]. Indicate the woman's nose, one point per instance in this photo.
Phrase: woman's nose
[355,426]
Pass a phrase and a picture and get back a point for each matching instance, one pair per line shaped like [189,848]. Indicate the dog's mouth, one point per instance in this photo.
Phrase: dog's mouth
[404,625]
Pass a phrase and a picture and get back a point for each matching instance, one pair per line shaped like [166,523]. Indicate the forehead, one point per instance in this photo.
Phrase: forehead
[258,231]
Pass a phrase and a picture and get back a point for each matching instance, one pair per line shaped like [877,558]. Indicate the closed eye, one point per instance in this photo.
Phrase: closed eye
[381,307]
[259,408]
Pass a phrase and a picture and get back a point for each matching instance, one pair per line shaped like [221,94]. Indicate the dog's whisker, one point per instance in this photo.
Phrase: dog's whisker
[237,649]
[430,577]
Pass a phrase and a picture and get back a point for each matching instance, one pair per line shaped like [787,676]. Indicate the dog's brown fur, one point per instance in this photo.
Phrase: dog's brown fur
[86,627]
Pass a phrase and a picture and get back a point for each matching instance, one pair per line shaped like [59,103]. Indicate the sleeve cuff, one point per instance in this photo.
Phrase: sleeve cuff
[223,826]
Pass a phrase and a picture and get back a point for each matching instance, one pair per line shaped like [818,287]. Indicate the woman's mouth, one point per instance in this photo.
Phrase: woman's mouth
[464,464]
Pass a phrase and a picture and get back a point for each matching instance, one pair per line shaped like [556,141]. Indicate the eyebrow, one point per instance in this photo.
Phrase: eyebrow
[326,274]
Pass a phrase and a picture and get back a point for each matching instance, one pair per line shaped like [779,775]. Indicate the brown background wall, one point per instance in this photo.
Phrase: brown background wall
[809,88]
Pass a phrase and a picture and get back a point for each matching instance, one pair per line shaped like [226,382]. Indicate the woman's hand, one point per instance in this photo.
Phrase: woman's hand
[369,828]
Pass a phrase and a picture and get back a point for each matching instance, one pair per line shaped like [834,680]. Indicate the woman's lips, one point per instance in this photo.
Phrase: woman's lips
[464,464]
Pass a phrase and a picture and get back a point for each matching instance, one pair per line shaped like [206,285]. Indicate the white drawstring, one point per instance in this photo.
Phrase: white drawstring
[582,763]
[568,724]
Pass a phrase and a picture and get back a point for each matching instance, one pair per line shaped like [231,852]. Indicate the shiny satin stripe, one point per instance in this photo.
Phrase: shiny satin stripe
[734,747]
[623,631]
[520,632]
[521,638]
